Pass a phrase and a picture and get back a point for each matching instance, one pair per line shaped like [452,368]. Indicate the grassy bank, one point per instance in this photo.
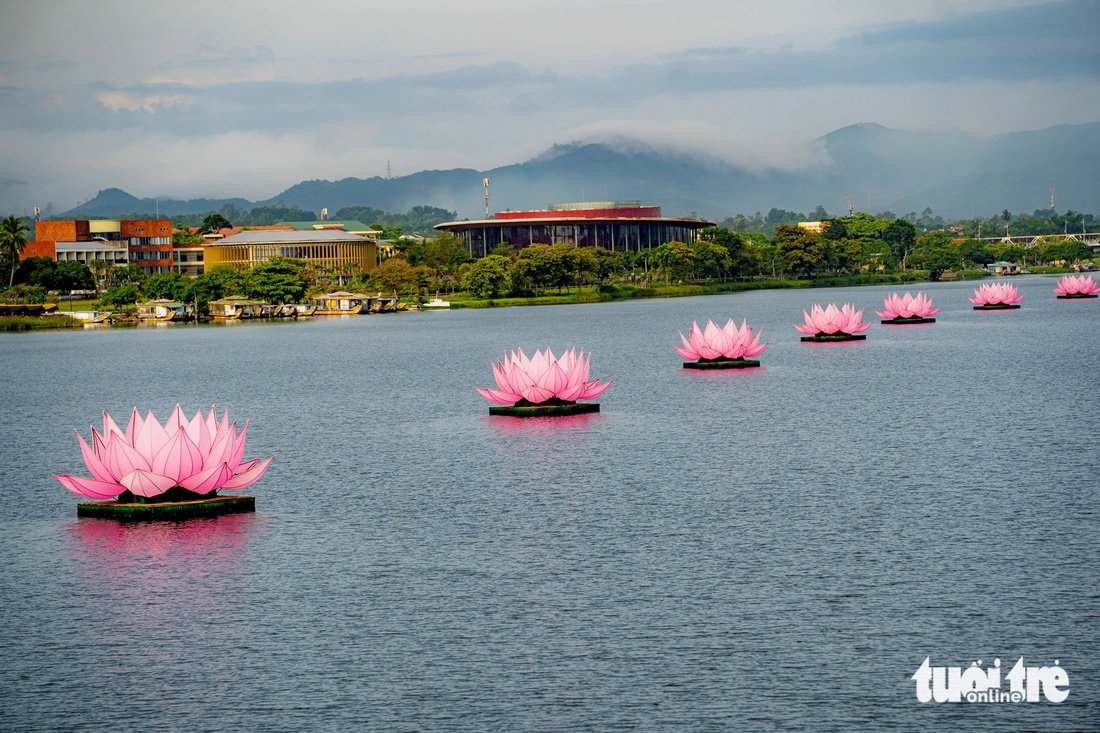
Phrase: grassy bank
[628,292]
[43,323]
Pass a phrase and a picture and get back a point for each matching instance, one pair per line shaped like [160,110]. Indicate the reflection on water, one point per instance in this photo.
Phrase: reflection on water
[771,548]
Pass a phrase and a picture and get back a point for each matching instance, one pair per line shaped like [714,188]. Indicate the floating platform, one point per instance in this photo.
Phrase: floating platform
[906,321]
[834,338]
[721,364]
[997,307]
[166,511]
[1077,296]
[544,410]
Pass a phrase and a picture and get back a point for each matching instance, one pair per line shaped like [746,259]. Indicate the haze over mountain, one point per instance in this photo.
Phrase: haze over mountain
[870,166]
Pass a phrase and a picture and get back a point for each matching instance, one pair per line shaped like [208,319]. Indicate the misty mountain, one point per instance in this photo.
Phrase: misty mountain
[870,166]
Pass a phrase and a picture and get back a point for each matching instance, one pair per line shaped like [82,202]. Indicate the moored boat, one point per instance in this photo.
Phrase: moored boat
[164,311]
[340,303]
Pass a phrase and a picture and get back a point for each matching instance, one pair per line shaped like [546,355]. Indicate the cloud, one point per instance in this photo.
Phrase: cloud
[209,65]
[121,100]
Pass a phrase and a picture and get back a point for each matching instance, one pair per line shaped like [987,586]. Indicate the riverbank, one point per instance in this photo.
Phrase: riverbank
[37,323]
[609,293]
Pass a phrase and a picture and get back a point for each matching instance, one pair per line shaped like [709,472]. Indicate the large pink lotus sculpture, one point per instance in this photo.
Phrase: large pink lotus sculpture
[543,385]
[199,455]
[995,296]
[907,309]
[728,347]
[1077,286]
[833,324]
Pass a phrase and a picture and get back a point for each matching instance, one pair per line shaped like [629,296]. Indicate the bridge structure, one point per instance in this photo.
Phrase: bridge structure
[1090,239]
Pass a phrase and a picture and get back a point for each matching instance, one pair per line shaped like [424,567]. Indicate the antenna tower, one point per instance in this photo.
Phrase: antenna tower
[1052,198]
[388,176]
[486,182]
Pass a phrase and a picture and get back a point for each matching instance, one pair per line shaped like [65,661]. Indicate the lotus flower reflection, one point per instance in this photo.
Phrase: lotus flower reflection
[833,321]
[1079,286]
[201,455]
[728,342]
[995,294]
[906,307]
[542,378]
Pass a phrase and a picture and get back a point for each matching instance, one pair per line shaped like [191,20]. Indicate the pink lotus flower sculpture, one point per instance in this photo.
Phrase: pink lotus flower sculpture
[899,308]
[833,321]
[727,343]
[201,455]
[995,295]
[542,378]
[1077,286]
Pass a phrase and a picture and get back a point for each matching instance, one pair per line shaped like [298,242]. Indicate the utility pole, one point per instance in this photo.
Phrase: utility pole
[1052,199]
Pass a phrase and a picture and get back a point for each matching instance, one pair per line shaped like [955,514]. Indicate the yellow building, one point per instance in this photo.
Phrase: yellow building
[812,226]
[332,250]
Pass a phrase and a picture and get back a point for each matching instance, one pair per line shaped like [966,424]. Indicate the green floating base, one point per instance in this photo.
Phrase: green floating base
[167,511]
[721,364]
[833,338]
[576,408]
[906,321]
[997,307]
[1077,296]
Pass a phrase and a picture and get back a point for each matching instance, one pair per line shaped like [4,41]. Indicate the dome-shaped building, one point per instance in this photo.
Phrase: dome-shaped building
[619,226]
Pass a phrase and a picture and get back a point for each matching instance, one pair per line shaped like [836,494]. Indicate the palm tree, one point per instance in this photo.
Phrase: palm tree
[12,241]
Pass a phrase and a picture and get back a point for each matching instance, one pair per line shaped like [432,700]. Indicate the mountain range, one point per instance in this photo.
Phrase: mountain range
[874,168]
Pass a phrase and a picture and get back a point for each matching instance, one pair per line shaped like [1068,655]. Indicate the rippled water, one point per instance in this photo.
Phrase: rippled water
[770,549]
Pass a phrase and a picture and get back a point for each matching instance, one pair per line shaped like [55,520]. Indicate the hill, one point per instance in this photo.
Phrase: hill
[874,168]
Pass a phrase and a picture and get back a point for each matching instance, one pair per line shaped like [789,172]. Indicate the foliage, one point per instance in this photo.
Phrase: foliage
[278,280]
[12,241]
[214,222]
[120,295]
[802,252]
[676,259]
[170,285]
[25,323]
[488,277]
[24,294]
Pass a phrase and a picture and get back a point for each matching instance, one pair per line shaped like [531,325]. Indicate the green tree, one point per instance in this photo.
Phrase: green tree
[214,222]
[803,252]
[38,272]
[542,267]
[395,274]
[676,260]
[488,277]
[102,271]
[12,241]
[278,280]
[119,296]
[901,235]
[608,264]
[711,260]
[504,250]
[170,285]
[72,275]
[225,280]
[938,253]
[130,274]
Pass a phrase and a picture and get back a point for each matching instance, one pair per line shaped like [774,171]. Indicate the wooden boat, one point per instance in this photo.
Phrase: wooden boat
[340,303]
[436,304]
[235,307]
[303,309]
[285,310]
[164,311]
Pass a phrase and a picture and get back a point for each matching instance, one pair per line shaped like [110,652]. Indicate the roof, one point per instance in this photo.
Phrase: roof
[348,225]
[459,226]
[86,245]
[290,236]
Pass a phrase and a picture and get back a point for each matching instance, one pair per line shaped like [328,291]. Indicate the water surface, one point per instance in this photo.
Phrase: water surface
[776,548]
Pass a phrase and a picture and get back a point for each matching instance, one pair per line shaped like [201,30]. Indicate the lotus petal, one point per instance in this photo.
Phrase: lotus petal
[207,479]
[147,483]
[247,478]
[90,487]
[122,458]
[178,458]
[95,464]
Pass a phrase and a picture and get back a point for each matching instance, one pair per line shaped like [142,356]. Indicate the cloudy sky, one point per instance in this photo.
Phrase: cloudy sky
[245,98]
